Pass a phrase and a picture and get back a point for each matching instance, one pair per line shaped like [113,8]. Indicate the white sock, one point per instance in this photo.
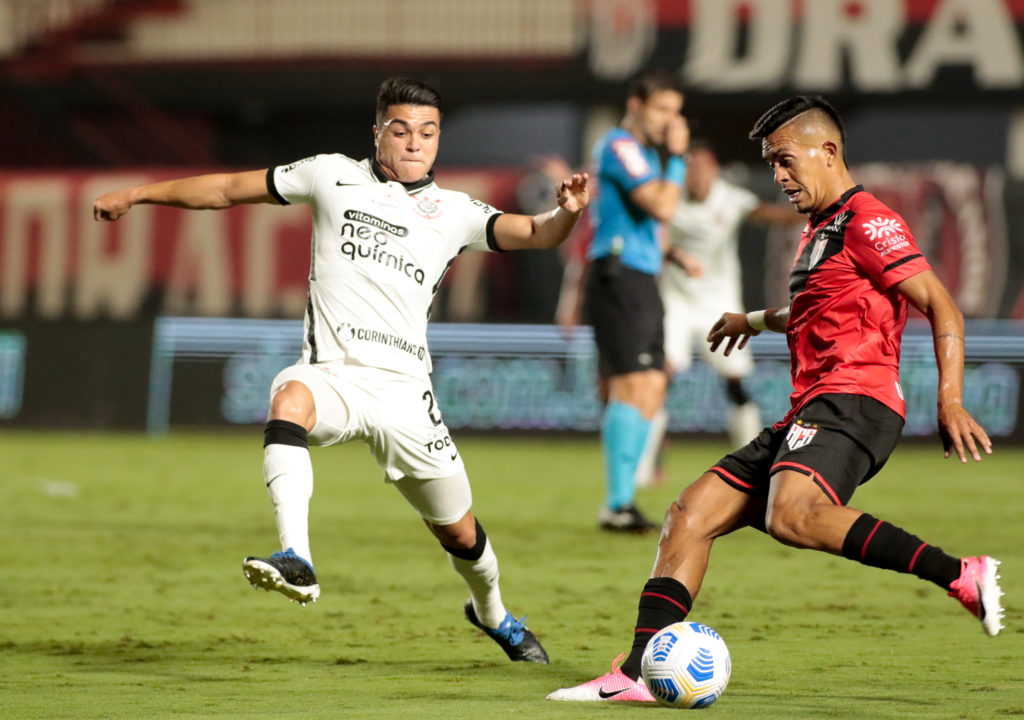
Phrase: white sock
[744,423]
[644,475]
[288,473]
[481,575]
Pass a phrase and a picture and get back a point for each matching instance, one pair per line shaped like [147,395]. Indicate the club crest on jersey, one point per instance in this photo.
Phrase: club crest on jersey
[818,250]
[800,435]
[345,332]
[427,208]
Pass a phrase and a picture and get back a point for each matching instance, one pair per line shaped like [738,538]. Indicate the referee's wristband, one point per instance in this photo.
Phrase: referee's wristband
[675,170]
[756,320]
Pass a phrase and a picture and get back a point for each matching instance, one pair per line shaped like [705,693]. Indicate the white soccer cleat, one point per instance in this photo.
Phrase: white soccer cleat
[610,687]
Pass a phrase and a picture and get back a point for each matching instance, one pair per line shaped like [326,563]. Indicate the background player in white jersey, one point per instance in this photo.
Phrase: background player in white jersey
[383,236]
[702,278]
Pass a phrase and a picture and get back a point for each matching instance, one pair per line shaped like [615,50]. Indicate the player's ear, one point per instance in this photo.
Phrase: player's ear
[376,136]
[831,148]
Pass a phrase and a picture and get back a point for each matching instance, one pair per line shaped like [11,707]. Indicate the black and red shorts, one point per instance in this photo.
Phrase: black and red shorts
[841,441]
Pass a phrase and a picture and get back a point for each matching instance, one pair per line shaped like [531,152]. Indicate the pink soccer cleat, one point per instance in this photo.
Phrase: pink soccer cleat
[610,687]
[978,590]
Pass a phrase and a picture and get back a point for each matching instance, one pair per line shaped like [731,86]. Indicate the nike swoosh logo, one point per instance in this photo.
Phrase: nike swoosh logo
[345,184]
[605,695]
[454,455]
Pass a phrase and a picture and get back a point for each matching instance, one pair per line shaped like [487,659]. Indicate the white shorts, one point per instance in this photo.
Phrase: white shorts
[397,416]
[687,323]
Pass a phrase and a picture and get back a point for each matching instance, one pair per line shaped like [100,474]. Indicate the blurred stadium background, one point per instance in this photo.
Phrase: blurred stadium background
[169,318]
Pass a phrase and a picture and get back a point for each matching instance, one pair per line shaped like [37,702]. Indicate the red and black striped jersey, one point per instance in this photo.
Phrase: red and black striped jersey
[846,317]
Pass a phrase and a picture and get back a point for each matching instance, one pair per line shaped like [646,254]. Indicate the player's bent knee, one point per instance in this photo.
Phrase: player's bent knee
[682,522]
[463,534]
[294,403]
[465,539]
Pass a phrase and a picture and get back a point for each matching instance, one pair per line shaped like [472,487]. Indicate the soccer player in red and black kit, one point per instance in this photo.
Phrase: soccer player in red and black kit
[856,269]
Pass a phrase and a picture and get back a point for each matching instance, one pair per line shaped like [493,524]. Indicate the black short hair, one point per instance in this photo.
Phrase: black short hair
[780,114]
[648,82]
[399,90]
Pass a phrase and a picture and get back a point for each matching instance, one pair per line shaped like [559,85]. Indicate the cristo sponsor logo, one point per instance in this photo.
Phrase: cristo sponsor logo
[882,227]
[358,246]
[887,234]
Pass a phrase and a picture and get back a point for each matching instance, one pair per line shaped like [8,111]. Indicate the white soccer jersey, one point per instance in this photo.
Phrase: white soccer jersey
[709,231]
[379,251]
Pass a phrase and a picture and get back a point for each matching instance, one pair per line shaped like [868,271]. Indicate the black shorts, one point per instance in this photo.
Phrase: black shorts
[624,307]
[841,441]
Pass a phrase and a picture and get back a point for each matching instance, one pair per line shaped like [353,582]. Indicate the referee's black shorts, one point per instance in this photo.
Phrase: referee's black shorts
[839,440]
[624,307]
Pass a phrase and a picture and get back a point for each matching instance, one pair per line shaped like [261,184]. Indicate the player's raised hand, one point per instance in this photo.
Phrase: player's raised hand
[689,264]
[677,140]
[734,328]
[573,195]
[111,206]
[961,433]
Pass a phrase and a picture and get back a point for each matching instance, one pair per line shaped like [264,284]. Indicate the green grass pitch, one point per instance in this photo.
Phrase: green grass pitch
[122,594]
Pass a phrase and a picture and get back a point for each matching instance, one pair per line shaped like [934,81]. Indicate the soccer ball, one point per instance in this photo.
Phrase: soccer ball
[686,665]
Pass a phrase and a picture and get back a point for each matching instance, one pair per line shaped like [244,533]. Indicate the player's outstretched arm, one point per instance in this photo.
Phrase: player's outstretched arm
[775,214]
[738,328]
[201,192]
[958,430]
[547,230]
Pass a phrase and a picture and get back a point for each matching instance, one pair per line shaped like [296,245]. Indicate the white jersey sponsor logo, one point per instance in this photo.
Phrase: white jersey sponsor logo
[887,234]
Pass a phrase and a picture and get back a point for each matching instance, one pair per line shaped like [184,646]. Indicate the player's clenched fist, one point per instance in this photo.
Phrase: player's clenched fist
[111,206]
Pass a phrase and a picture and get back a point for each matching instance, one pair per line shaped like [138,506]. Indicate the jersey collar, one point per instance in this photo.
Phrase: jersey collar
[411,188]
[834,207]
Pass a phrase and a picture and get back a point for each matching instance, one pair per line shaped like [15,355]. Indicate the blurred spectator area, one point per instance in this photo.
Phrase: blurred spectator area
[126,31]
[931,90]
[252,82]
[93,83]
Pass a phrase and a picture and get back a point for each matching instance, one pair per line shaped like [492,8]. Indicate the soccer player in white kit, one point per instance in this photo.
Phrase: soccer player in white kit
[701,279]
[384,234]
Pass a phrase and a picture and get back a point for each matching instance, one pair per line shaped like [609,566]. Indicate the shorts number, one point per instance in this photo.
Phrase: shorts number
[431,406]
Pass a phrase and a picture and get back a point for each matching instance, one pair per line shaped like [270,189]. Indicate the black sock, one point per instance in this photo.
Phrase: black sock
[880,544]
[663,601]
[736,393]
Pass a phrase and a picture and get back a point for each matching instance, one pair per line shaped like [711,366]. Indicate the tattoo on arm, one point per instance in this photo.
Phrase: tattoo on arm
[953,336]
